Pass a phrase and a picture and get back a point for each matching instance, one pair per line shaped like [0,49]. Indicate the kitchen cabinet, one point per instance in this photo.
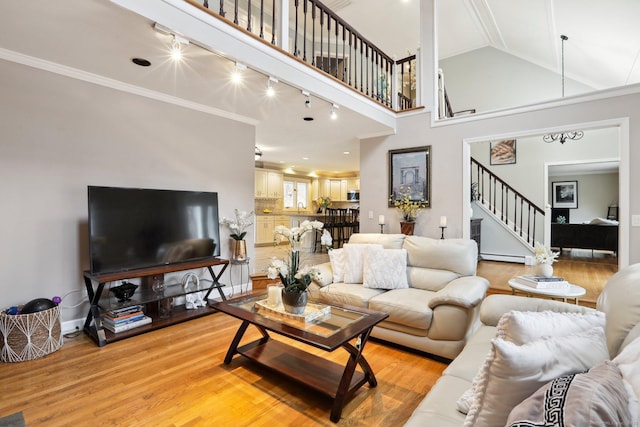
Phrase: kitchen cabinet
[353,184]
[335,189]
[265,225]
[268,184]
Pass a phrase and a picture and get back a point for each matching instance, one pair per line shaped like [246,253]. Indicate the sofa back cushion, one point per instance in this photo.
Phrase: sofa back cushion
[619,301]
[388,241]
[429,279]
[459,256]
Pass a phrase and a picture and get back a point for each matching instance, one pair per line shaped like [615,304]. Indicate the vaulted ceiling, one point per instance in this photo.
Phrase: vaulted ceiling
[95,40]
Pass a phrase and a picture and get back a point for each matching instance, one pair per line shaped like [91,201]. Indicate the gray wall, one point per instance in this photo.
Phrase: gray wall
[60,135]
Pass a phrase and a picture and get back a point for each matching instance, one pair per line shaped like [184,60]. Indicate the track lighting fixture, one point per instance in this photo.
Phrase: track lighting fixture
[307,101]
[176,47]
[333,112]
[236,76]
[258,153]
[270,90]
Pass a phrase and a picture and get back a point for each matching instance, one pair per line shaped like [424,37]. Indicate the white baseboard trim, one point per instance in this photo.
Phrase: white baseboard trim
[503,258]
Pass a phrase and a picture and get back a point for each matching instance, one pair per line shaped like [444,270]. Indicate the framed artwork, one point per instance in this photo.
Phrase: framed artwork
[410,175]
[564,194]
[503,152]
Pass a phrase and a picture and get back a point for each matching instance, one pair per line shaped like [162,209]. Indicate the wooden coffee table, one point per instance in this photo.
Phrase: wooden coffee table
[329,332]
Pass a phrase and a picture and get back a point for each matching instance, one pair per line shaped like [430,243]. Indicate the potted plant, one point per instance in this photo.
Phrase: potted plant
[408,210]
[294,278]
[323,203]
[238,226]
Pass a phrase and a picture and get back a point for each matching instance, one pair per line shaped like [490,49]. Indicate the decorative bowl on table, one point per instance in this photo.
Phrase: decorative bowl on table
[124,292]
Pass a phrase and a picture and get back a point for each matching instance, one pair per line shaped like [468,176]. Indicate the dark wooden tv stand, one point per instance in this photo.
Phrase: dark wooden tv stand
[95,284]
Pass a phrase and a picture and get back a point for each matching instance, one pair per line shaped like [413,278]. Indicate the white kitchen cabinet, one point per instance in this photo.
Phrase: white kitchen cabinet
[335,190]
[265,225]
[268,184]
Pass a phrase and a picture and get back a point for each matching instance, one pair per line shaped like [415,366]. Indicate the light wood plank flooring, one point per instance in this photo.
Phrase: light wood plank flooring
[175,376]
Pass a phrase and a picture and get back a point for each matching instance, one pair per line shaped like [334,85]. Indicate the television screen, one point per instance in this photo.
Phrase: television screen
[132,227]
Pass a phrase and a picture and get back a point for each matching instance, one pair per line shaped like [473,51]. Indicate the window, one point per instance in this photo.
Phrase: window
[296,193]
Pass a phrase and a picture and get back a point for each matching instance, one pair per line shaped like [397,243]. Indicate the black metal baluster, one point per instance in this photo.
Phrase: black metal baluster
[350,55]
[361,67]
[304,31]
[262,19]
[295,37]
[328,69]
[344,65]
[313,34]
[249,16]
[321,39]
[273,23]
[235,11]
[222,12]
[337,64]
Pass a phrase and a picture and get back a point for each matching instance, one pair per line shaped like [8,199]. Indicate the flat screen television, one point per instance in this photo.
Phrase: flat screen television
[133,228]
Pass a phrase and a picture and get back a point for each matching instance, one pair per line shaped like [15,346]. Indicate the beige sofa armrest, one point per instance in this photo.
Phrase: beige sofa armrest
[494,306]
[466,292]
[455,308]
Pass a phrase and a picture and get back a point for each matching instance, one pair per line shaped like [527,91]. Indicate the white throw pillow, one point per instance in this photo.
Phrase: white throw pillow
[354,261]
[385,268]
[336,257]
[628,361]
[512,373]
[521,327]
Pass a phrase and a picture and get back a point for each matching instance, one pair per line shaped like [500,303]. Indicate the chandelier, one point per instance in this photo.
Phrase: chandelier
[563,136]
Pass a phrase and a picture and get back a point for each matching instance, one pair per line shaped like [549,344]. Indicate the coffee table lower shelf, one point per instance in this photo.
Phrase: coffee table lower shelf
[318,373]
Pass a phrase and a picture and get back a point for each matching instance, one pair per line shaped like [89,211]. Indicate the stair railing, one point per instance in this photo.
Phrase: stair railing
[507,204]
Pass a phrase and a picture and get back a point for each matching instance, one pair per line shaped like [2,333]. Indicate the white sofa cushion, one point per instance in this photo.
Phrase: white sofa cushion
[521,327]
[619,299]
[628,361]
[385,268]
[324,274]
[354,261]
[409,307]
[511,373]
[594,398]
[457,255]
[347,294]
[388,241]
[336,258]
[429,279]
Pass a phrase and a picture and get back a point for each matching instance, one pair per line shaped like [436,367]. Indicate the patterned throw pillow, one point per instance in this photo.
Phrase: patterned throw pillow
[385,268]
[594,398]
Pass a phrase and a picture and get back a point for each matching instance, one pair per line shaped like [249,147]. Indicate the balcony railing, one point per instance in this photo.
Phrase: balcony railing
[319,37]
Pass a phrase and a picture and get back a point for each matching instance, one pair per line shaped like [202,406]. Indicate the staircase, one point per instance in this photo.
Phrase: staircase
[517,214]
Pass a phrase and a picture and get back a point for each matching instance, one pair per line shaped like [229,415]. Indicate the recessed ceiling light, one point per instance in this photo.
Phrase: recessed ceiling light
[141,62]
[308,119]
[305,158]
[346,152]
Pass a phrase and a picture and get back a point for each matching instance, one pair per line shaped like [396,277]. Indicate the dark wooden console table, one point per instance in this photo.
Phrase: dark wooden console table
[95,284]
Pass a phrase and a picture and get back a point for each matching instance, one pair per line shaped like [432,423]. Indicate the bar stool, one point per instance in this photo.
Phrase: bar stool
[353,223]
[327,226]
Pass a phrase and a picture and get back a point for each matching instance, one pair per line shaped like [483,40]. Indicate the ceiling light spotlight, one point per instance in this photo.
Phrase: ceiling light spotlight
[236,76]
[258,153]
[176,47]
[270,90]
[307,101]
[333,113]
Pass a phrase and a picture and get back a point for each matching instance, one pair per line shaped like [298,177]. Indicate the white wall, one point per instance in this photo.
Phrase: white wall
[448,144]
[488,79]
[595,193]
[60,135]
[527,174]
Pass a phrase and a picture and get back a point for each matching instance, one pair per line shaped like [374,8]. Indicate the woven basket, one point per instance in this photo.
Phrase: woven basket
[30,336]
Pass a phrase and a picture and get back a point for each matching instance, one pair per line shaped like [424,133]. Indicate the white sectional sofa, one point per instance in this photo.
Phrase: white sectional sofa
[620,303]
[434,304]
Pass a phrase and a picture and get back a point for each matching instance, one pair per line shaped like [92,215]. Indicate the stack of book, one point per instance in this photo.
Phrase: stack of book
[541,282]
[125,318]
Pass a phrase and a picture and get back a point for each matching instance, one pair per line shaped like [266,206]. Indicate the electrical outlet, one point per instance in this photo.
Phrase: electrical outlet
[370,214]
[635,220]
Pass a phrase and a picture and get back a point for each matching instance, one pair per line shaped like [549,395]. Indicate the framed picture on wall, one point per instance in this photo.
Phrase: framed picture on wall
[410,175]
[503,152]
[565,194]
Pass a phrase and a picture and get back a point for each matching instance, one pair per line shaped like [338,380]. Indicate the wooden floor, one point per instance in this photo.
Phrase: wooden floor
[175,376]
